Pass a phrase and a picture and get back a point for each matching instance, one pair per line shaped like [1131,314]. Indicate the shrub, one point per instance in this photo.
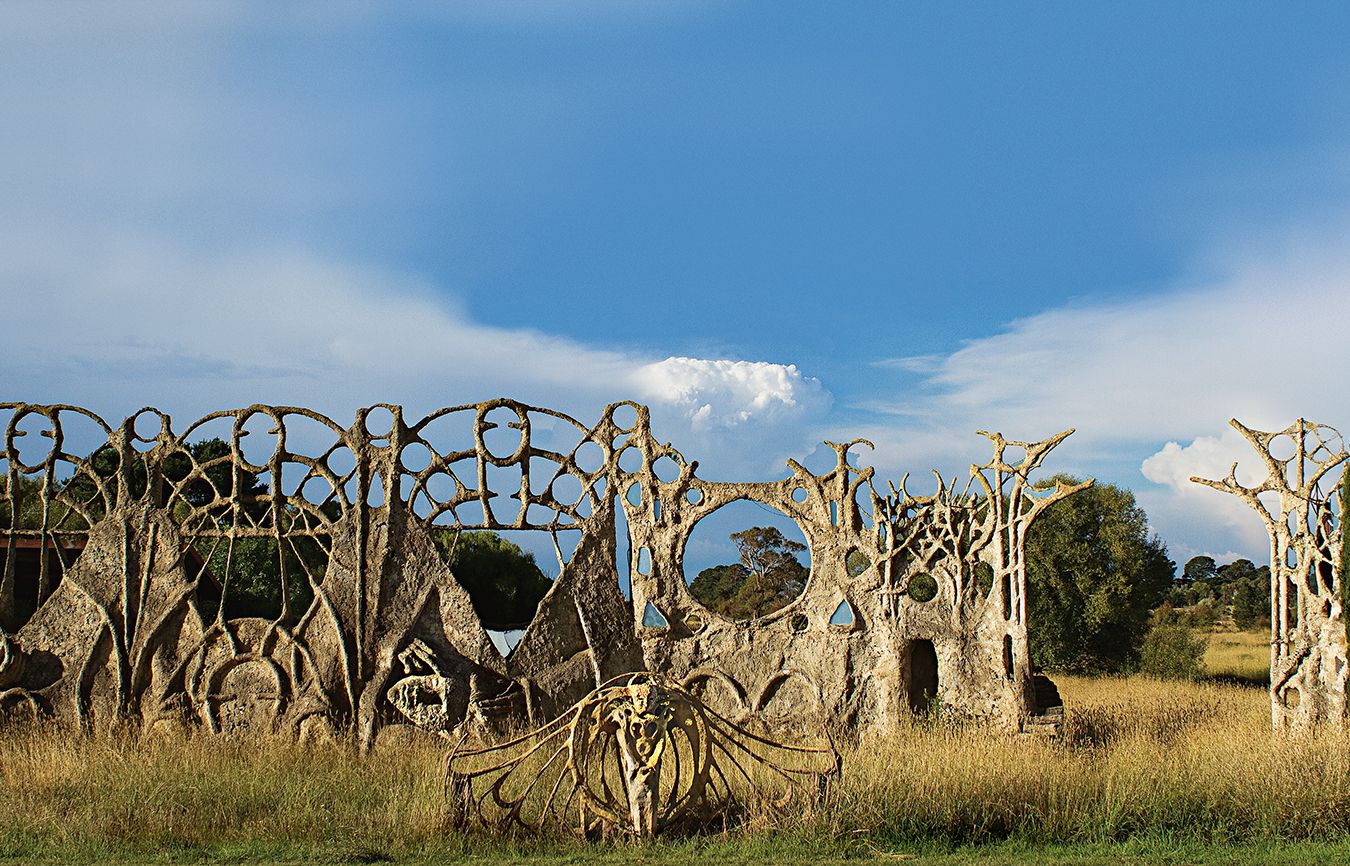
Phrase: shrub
[1172,651]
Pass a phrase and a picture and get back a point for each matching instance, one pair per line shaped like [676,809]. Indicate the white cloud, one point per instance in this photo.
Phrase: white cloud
[1264,343]
[133,322]
[1210,457]
[1183,503]
[728,394]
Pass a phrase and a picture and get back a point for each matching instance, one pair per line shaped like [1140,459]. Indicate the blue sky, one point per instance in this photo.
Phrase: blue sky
[774,222]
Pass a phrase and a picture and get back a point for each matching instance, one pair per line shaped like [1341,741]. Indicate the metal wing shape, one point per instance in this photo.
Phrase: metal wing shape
[640,755]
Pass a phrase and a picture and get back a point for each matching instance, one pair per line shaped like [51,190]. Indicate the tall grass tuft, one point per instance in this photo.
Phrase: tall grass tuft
[1136,758]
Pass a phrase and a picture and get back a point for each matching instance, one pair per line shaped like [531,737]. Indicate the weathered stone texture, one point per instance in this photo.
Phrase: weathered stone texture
[126,634]
[640,754]
[1301,511]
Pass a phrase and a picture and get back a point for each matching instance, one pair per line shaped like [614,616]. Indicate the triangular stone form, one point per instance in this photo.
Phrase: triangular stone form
[843,615]
[653,618]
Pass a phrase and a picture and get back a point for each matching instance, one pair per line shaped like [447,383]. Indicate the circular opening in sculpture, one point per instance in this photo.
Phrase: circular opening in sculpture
[415,457]
[146,427]
[746,560]
[625,417]
[1283,447]
[923,587]
[379,422]
[666,469]
[258,440]
[503,433]
[630,459]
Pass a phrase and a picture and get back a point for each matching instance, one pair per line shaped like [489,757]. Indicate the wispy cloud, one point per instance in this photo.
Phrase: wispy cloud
[1156,375]
[135,321]
[926,364]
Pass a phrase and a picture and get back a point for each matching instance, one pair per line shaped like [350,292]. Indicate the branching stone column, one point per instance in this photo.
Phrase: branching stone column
[1307,634]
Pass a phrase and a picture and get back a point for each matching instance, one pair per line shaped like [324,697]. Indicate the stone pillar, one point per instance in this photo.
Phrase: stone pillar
[1308,669]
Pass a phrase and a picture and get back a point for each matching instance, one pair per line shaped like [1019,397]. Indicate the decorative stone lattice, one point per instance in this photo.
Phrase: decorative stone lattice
[1307,632]
[638,755]
[123,624]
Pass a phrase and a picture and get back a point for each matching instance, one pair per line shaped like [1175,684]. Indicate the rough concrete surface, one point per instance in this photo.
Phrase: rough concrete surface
[130,632]
[1301,510]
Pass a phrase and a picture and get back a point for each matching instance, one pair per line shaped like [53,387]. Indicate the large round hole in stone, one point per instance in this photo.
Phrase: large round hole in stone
[746,560]
[1283,447]
[923,587]
[625,417]
[379,422]
[503,435]
[258,439]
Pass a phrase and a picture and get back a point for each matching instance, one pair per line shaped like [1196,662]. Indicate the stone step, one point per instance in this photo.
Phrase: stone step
[1039,726]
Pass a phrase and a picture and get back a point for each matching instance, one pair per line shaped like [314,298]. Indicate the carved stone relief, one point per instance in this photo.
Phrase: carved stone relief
[639,755]
[129,626]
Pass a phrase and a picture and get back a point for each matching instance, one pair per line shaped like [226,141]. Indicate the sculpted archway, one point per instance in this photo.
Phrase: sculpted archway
[145,539]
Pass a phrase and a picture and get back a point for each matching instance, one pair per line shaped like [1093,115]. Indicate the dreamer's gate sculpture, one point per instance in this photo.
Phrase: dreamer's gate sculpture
[639,755]
[1302,514]
[134,629]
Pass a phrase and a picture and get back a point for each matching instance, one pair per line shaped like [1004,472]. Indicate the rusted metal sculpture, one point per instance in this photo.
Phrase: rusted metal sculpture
[639,755]
[144,542]
[1308,657]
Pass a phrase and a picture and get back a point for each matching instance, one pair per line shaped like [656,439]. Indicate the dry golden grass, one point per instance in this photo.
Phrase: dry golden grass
[1137,758]
[205,791]
[1243,655]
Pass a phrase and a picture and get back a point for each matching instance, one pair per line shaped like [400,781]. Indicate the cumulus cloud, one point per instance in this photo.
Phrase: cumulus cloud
[1206,457]
[1180,501]
[133,322]
[1261,342]
[728,394]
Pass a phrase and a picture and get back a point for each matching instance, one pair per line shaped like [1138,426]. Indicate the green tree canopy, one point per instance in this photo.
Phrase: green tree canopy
[27,497]
[1200,568]
[1094,574]
[1251,600]
[503,580]
[767,577]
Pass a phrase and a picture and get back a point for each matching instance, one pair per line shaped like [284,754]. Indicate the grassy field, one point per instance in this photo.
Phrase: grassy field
[1239,655]
[1145,771]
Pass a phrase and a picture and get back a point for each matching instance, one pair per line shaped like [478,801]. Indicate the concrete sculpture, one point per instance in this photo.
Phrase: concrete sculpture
[639,755]
[1301,511]
[912,601]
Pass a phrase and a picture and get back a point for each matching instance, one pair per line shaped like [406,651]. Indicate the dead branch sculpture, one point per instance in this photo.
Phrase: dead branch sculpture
[639,755]
[1307,634]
